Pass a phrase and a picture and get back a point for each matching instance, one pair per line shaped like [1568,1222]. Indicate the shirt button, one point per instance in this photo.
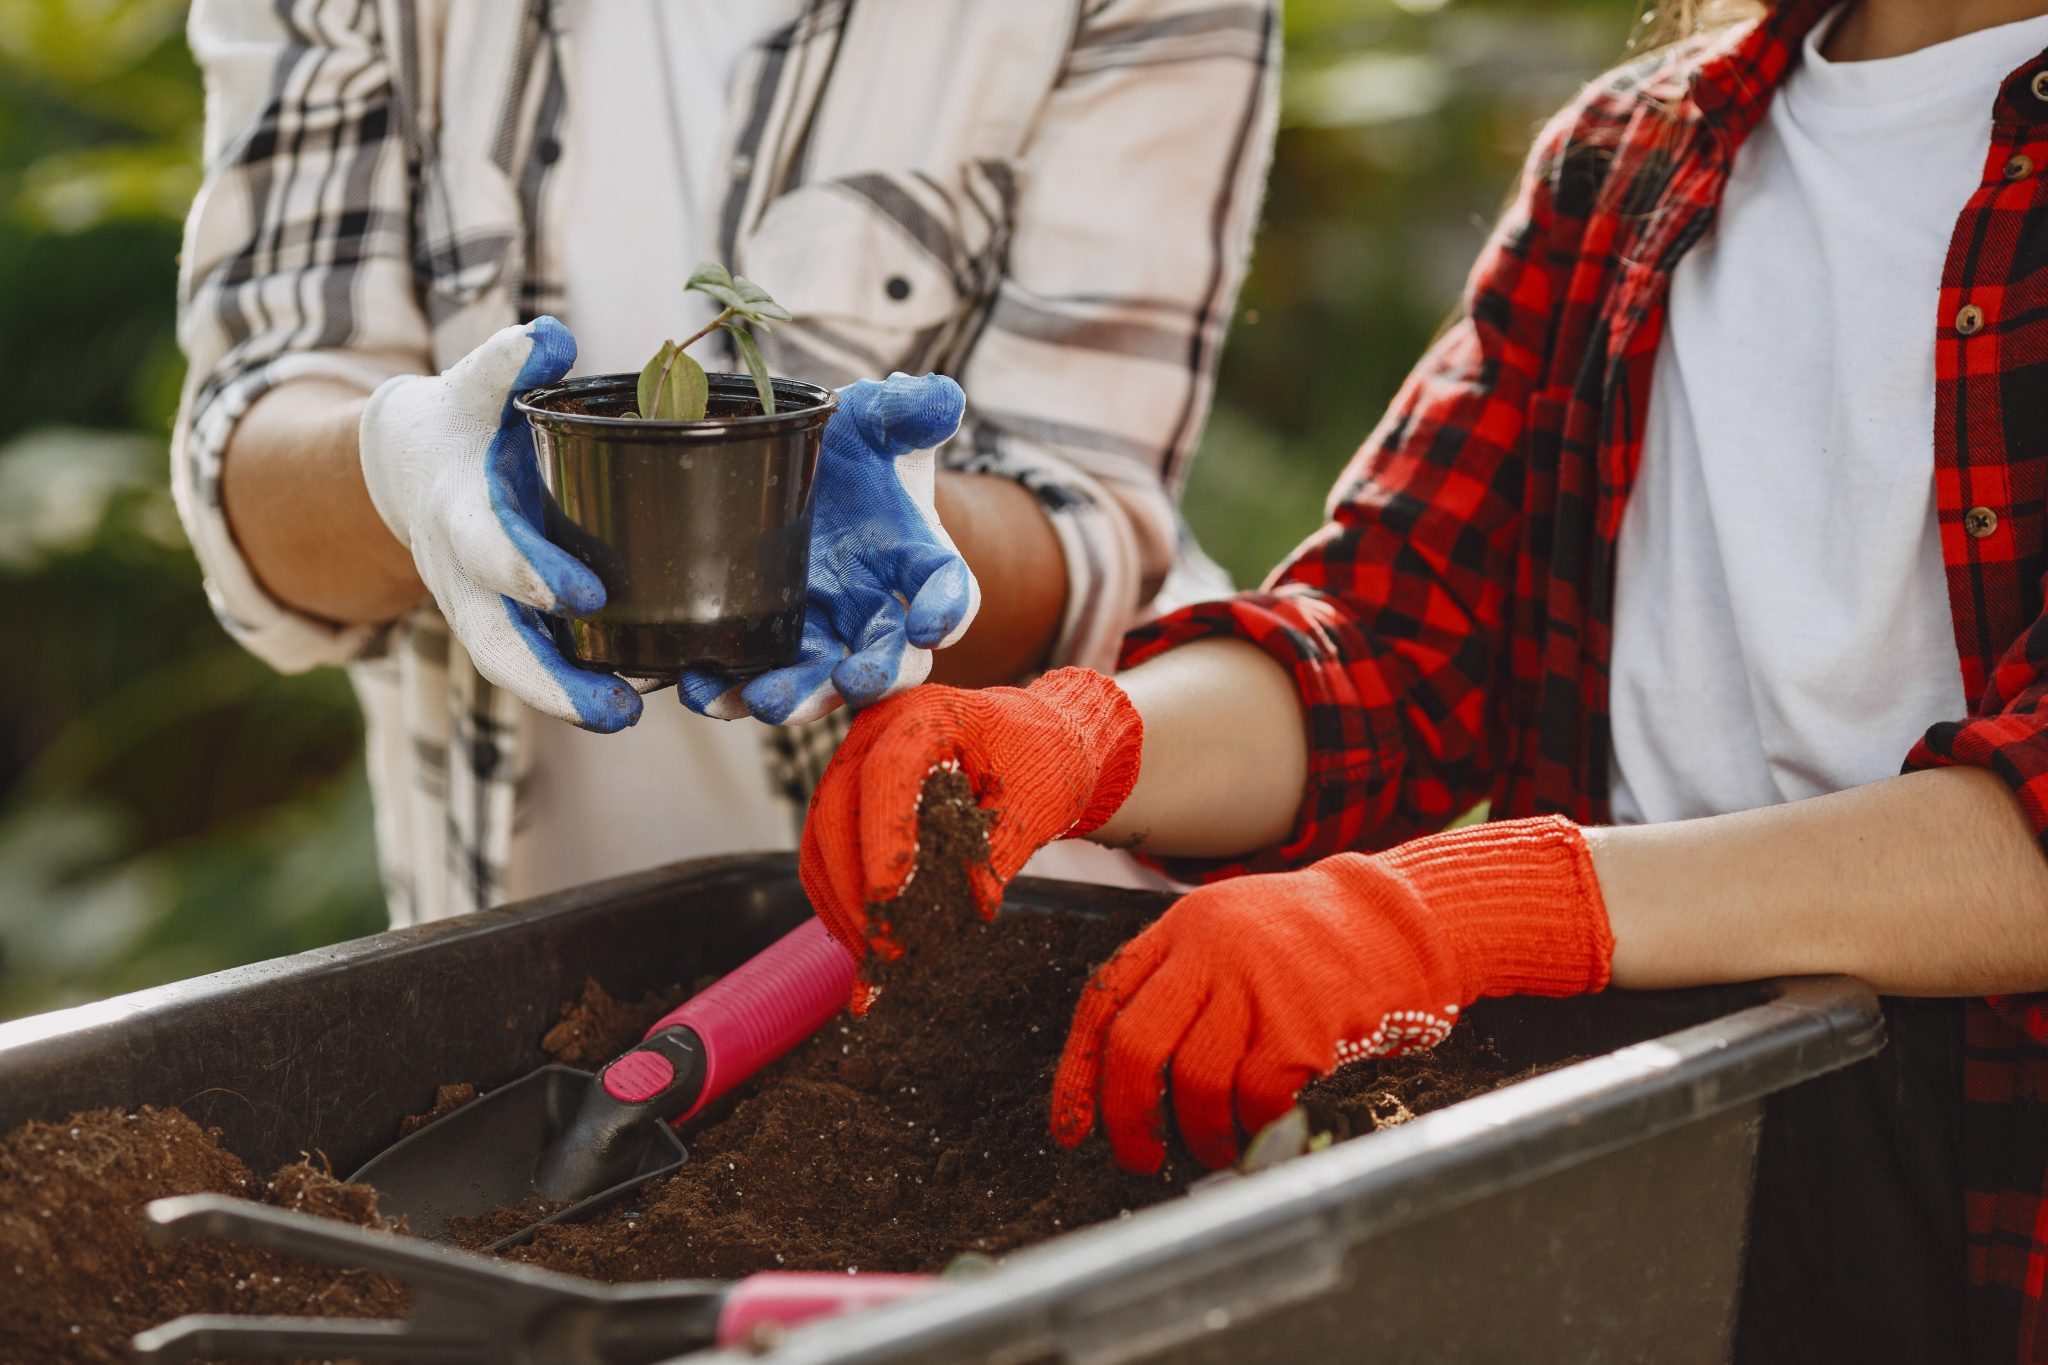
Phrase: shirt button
[2019,168]
[897,288]
[741,166]
[2041,86]
[1980,522]
[1970,320]
[548,150]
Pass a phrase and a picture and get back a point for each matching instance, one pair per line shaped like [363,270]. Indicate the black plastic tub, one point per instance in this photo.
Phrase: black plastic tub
[1596,1213]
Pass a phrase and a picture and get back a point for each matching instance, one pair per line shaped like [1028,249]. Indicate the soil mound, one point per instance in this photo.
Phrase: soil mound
[77,1277]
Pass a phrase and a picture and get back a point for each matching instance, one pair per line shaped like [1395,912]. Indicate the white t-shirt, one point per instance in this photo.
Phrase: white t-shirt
[1782,626]
[648,84]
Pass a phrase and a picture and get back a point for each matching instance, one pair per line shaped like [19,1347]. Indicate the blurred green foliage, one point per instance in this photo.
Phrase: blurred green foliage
[1403,125]
[168,806]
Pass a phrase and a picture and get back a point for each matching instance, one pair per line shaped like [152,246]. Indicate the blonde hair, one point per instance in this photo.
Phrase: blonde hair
[1670,21]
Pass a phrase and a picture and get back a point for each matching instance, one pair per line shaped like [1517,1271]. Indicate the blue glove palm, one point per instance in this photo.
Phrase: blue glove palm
[886,585]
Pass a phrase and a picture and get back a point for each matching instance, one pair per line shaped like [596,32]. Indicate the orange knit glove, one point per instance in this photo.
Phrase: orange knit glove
[1244,991]
[1049,761]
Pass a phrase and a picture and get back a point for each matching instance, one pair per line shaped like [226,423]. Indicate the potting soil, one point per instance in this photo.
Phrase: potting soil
[906,1138]
[596,1028]
[77,1277]
[897,1141]
[447,1099]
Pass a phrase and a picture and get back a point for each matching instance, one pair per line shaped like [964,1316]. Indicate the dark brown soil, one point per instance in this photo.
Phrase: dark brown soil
[622,404]
[596,1028]
[903,1139]
[447,1099]
[1380,1092]
[897,1141]
[77,1278]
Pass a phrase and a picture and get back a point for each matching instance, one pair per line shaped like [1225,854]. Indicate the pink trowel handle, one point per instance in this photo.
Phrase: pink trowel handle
[765,1007]
[710,1044]
[787,1298]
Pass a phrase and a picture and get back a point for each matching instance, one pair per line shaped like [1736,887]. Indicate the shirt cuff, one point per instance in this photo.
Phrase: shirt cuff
[2014,745]
[1355,759]
[1107,530]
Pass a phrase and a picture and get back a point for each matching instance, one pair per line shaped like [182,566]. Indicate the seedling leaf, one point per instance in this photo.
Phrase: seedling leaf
[750,353]
[1284,1139]
[759,307]
[680,391]
[711,273]
[714,279]
[673,386]
[650,376]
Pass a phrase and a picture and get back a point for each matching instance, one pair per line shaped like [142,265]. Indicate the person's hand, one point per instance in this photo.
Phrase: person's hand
[1246,990]
[451,469]
[1047,761]
[886,586]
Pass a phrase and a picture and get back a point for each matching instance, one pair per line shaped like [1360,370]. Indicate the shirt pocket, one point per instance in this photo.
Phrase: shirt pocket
[467,235]
[884,269]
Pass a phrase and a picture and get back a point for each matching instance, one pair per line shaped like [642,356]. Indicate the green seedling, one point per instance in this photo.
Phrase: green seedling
[672,385]
[1282,1140]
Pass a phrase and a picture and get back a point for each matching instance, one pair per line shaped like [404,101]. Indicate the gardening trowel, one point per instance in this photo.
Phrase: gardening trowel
[564,1142]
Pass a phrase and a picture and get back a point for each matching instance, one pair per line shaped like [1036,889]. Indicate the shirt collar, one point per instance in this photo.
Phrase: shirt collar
[1733,83]
[1737,73]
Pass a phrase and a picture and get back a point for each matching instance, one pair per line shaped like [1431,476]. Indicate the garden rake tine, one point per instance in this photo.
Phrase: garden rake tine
[422,1265]
[208,1336]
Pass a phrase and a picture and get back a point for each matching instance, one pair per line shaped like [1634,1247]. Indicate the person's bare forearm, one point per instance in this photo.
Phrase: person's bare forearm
[292,485]
[1004,536]
[1927,884]
[1225,753]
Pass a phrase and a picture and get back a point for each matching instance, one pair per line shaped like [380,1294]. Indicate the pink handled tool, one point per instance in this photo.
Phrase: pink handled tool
[786,1298]
[765,1007]
[466,1307]
[699,1051]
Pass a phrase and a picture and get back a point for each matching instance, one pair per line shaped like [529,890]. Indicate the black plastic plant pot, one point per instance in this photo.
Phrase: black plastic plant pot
[699,531]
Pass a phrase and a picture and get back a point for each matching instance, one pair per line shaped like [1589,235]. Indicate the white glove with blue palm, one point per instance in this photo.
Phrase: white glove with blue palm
[886,585]
[450,466]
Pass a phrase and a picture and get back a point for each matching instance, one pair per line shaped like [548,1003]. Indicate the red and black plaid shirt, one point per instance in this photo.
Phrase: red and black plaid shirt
[1449,628]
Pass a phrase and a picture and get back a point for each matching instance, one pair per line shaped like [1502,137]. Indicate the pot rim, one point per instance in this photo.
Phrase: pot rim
[818,404]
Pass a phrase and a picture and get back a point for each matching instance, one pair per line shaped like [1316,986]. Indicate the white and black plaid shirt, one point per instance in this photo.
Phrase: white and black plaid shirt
[1052,200]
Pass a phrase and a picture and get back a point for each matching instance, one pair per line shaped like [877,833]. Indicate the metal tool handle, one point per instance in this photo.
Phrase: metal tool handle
[756,1013]
[786,1298]
[466,1309]
[471,1310]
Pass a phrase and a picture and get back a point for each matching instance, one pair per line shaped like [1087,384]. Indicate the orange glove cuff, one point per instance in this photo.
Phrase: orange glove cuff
[1103,722]
[1521,902]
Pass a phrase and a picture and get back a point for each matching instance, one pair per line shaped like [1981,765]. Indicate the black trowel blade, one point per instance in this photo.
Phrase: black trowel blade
[483,1157]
